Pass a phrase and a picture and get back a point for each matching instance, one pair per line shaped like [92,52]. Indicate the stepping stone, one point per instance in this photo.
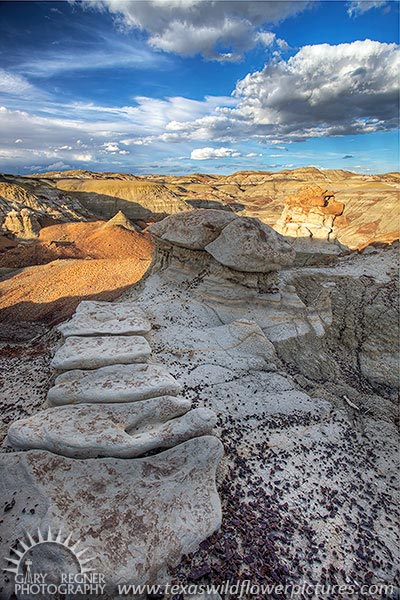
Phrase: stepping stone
[119,430]
[115,383]
[105,318]
[109,309]
[92,352]
[136,517]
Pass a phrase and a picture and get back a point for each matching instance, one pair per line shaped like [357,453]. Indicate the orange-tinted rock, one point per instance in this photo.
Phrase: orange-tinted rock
[334,208]
[310,213]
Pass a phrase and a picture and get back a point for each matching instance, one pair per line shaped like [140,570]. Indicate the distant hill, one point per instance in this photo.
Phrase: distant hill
[370,201]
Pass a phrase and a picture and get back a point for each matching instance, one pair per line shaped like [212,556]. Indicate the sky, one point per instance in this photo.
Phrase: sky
[183,86]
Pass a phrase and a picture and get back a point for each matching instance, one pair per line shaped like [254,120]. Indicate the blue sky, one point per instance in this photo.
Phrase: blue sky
[178,86]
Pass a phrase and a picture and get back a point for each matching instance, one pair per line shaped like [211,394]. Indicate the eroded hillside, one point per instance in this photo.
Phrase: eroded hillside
[370,201]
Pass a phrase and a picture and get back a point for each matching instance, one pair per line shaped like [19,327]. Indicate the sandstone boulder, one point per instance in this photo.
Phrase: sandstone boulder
[79,352]
[136,517]
[193,230]
[249,245]
[118,430]
[114,383]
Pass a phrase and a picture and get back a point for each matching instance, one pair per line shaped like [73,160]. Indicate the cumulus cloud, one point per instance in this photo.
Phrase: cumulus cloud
[216,30]
[213,153]
[323,90]
[358,7]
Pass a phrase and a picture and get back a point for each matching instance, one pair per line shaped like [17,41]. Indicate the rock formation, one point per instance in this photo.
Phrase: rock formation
[370,200]
[296,363]
[26,205]
[137,198]
[310,213]
[306,403]
[121,220]
[23,223]
[82,462]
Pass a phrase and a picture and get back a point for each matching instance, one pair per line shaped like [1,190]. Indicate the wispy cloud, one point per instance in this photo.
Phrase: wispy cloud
[108,52]
[358,7]
[15,85]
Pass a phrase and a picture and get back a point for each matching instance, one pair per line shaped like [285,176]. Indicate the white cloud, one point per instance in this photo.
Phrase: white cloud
[283,45]
[216,30]
[18,141]
[323,90]
[111,147]
[14,85]
[58,166]
[357,7]
[83,157]
[213,153]
[113,52]
[266,37]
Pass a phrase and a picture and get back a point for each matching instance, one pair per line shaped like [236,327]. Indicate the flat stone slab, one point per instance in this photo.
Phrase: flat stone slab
[80,352]
[136,517]
[115,383]
[119,430]
[106,318]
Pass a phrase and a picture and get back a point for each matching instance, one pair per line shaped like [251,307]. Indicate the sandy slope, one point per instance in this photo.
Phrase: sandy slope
[96,262]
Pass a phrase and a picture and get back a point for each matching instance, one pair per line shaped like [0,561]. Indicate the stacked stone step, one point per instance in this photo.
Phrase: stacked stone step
[110,402]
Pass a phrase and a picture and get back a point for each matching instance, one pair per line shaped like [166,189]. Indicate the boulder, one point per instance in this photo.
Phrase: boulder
[249,245]
[79,352]
[136,517]
[193,230]
[118,430]
[114,383]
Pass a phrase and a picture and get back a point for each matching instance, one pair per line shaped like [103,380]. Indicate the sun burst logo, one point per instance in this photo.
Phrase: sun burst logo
[26,545]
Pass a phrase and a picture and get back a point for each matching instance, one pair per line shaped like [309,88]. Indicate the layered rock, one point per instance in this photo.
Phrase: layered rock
[247,286]
[121,220]
[23,223]
[280,357]
[120,431]
[137,515]
[137,198]
[99,318]
[311,213]
[26,205]
[114,383]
